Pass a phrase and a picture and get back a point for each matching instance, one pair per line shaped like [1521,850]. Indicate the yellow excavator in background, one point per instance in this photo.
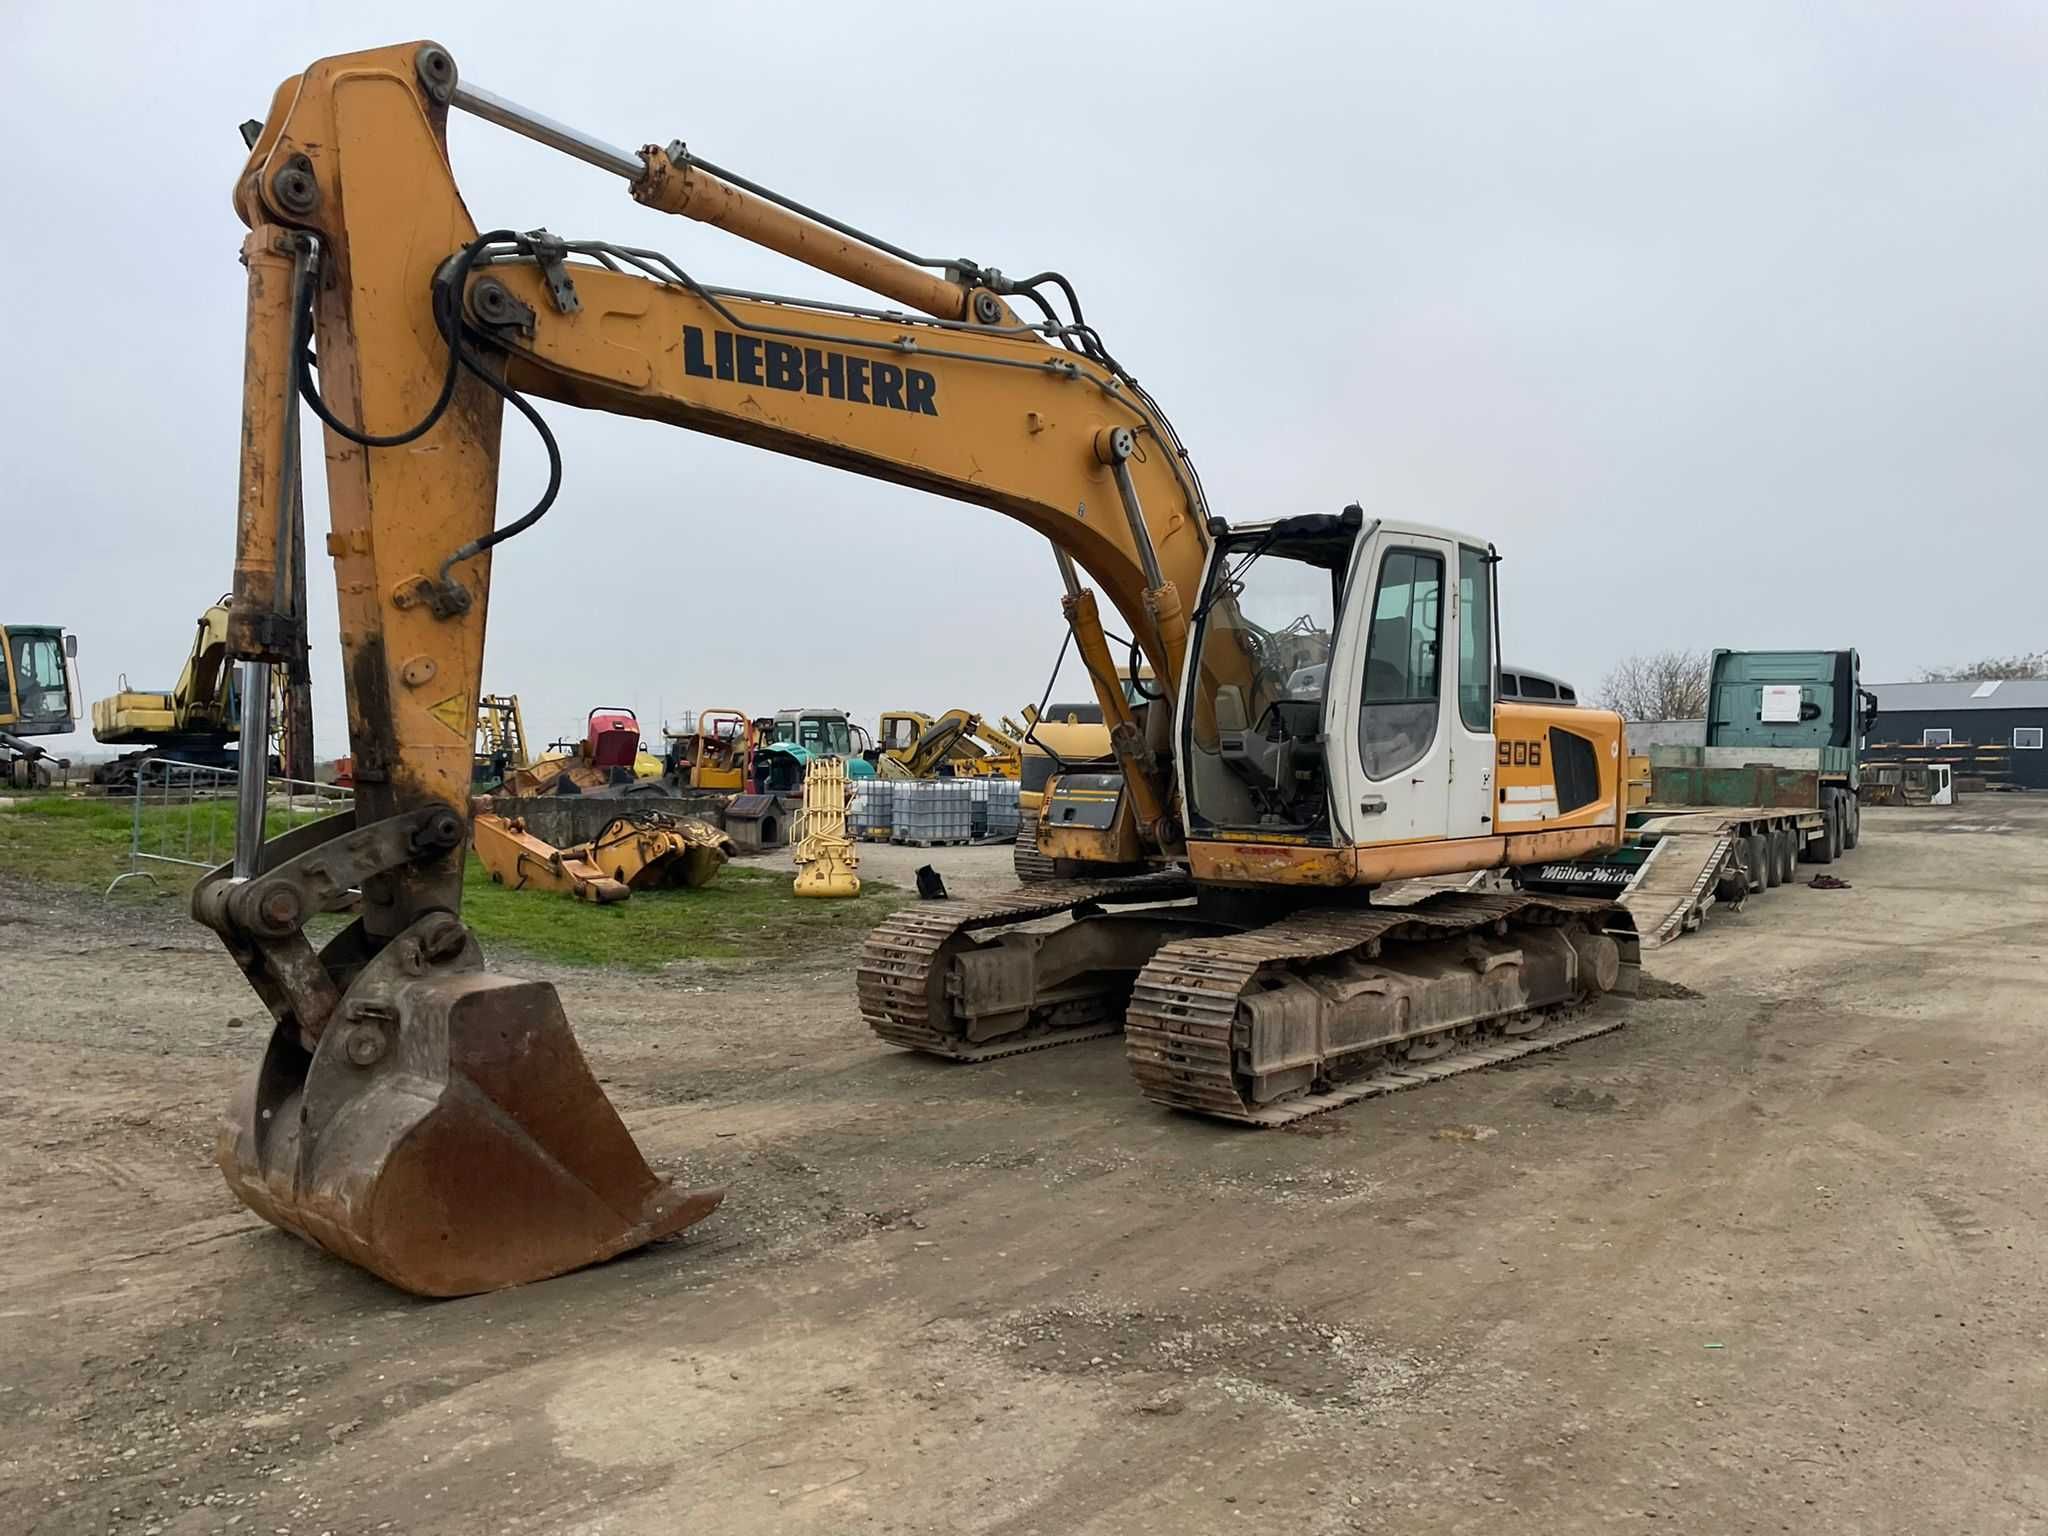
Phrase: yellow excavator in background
[38,697]
[199,721]
[1063,738]
[1002,749]
[1324,718]
[959,743]
[1066,738]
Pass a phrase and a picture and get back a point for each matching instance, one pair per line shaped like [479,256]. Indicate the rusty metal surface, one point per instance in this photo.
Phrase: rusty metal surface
[1762,785]
[1183,1032]
[446,1132]
[1243,861]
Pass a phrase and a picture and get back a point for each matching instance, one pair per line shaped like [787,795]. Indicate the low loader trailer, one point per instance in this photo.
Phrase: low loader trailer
[1773,784]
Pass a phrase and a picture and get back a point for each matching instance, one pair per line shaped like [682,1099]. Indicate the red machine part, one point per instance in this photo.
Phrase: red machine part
[613,738]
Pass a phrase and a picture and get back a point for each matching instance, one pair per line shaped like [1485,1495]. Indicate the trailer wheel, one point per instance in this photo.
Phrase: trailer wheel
[1772,848]
[1753,858]
[1785,847]
[1822,849]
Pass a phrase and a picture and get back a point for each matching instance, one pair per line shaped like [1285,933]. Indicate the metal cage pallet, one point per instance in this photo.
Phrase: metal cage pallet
[933,813]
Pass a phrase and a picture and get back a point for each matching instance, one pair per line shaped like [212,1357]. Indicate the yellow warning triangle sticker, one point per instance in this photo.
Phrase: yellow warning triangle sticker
[454,713]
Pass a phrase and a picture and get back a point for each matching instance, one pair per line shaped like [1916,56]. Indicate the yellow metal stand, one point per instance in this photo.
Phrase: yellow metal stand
[825,856]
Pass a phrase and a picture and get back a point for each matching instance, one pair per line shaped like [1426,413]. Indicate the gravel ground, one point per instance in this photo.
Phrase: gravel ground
[1768,1259]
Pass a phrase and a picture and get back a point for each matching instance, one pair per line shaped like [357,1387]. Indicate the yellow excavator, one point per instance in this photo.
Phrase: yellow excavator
[197,721]
[960,743]
[38,697]
[1002,747]
[1323,719]
[1065,737]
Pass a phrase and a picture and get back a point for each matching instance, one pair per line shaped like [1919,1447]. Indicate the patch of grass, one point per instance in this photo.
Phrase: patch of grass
[744,914]
[63,841]
[84,840]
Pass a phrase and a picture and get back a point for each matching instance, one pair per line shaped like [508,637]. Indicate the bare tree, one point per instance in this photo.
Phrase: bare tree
[1999,668]
[1667,685]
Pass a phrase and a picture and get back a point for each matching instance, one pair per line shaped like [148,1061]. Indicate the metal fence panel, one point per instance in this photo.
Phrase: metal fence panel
[184,815]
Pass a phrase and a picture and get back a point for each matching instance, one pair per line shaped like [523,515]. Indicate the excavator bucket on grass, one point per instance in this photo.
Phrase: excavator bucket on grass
[446,1133]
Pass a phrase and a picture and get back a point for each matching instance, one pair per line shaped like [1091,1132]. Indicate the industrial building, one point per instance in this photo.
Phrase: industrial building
[1988,730]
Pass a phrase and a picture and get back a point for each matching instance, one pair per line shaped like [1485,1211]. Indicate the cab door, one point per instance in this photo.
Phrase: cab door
[1471,765]
[1393,691]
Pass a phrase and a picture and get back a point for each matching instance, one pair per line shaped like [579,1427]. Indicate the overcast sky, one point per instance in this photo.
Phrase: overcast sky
[1726,322]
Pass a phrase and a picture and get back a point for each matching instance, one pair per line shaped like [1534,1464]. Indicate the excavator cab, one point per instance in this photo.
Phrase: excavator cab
[1263,631]
[37,698]
[1343,707]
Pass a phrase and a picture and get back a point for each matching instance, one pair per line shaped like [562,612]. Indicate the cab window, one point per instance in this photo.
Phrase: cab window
[832,738]
[39,677]
[1403,664]
[1475,640]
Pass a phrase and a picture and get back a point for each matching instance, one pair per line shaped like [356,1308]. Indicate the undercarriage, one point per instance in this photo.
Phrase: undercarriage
[1259,1024]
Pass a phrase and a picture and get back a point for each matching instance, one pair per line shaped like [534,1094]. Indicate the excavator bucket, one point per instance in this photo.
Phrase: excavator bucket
[647,851]
[446,1134]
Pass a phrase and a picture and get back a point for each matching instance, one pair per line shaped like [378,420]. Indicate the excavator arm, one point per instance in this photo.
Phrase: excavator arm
[399,1069]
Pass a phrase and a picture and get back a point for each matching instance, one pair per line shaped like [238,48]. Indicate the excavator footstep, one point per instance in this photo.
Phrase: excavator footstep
[448,1135]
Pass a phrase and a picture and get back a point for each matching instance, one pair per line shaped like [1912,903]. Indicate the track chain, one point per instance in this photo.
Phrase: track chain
[1180,1034]
[1033,867]
[897,984]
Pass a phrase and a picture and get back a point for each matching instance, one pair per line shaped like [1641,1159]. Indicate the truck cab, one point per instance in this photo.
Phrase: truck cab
[1791,699]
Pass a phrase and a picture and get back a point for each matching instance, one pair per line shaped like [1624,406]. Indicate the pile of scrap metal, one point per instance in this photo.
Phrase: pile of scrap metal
[636,851]
[608,761]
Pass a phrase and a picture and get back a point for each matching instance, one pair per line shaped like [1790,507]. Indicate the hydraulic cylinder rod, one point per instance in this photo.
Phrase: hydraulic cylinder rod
[666,179]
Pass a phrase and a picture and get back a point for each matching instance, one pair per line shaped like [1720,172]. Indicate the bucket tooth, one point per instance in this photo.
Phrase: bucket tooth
[446,1134]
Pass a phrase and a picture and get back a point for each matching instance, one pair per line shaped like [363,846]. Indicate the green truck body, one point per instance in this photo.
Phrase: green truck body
[1782,730]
